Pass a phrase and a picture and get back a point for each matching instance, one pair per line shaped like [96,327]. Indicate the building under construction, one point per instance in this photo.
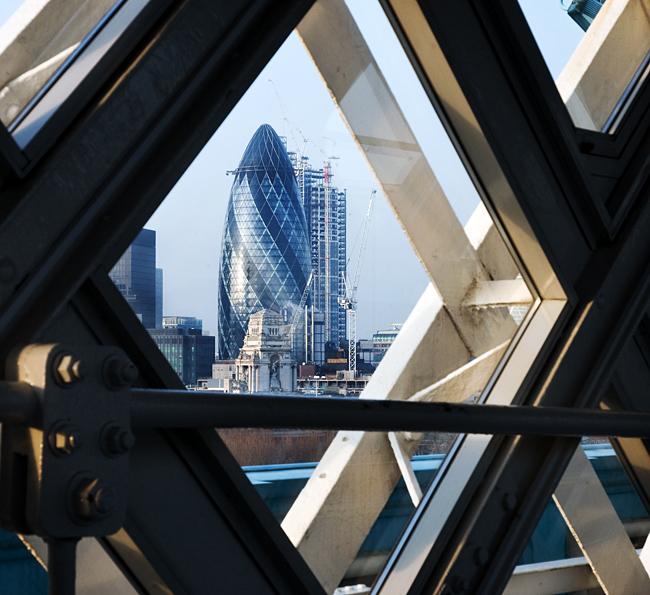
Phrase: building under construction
[325,209]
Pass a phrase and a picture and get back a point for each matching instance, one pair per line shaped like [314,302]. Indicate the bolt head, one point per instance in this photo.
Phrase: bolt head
[119,373]
[117,439]
[104,500]
[70,369]
[64,439]
[93,500]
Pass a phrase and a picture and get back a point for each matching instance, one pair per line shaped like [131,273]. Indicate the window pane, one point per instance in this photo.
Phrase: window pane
[598,54]
[37,40]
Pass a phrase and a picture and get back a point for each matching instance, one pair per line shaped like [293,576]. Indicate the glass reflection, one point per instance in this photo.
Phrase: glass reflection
[38,40]
[598,52]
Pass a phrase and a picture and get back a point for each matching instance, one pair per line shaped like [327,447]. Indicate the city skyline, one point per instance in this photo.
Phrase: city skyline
[392,279]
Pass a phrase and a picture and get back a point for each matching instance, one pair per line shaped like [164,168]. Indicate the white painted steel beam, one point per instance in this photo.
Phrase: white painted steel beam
[381,131]
[356,476]
[467,381]
[511,292]
[599,532]
[605,61]
[35,41]
[551,578]
[338,506]
[353,481]
[402,445]
[42,29]
[17,93]
[489,245]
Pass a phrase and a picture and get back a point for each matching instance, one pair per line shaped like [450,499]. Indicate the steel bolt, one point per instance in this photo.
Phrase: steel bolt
[93,500]
[118,440]
[70,369]
[64,439]
[119,373]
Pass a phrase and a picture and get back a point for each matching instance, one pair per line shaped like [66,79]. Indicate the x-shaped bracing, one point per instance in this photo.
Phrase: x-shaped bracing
[67,222]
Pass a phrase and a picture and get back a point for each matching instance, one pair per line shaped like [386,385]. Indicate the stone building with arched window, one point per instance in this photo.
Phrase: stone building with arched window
[265,362]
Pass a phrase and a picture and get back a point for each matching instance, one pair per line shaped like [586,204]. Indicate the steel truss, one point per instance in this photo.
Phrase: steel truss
[573,206]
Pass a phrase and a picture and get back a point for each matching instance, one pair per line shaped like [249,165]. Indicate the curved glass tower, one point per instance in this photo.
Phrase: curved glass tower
[265,259]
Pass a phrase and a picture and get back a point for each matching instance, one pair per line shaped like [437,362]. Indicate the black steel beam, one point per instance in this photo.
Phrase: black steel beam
[194,519]
[196,409]
[607,281]
[73,215]
[115,164]
[19,404]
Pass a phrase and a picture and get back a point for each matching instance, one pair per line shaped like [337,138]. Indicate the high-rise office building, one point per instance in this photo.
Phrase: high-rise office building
[382,340]
[265,255]
[159,298]
[134,274]
[325,209]
[187,349]
[188,322]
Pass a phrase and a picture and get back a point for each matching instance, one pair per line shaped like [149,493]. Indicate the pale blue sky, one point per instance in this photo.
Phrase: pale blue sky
[189,223]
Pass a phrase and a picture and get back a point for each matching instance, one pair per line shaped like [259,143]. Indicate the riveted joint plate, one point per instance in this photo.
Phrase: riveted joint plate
[69,477]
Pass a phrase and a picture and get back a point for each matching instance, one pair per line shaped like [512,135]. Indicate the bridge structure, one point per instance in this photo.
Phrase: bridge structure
[114,475]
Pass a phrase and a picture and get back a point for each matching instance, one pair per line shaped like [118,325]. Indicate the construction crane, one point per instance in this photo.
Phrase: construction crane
[296,314]
[349,301]
[290,123]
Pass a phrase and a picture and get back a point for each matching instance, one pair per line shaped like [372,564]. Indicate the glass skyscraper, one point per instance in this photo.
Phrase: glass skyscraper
[135,276]
[265,260]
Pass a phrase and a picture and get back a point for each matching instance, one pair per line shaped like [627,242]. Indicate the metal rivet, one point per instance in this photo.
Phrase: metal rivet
[323,475]
[481,556]
[509,501]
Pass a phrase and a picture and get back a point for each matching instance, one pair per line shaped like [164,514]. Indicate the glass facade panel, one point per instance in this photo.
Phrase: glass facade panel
[136,278]
[265,249]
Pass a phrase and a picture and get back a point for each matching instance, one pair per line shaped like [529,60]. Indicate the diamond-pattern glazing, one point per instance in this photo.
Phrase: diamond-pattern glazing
[265,259]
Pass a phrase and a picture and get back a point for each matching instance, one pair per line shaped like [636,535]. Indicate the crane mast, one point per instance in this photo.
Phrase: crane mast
[296,314]
[349,301]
